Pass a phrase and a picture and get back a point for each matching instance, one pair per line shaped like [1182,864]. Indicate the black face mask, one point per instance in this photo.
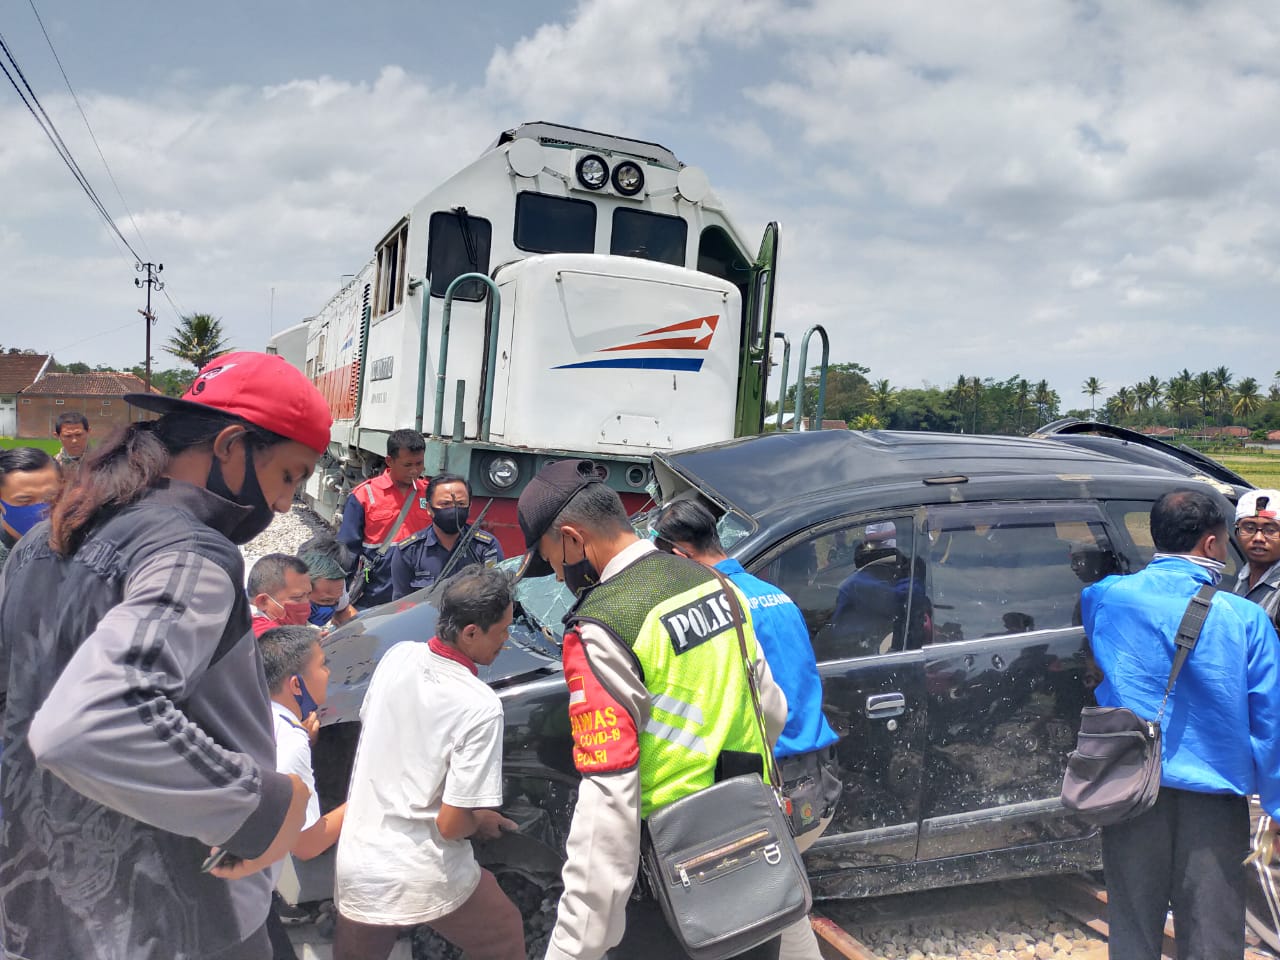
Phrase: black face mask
[449,520]
[250,496]
[579,576]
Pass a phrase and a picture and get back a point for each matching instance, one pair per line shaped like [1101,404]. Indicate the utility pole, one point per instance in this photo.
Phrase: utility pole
[153,271]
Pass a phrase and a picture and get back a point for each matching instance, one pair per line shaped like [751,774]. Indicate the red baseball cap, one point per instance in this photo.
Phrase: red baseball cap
[262,388]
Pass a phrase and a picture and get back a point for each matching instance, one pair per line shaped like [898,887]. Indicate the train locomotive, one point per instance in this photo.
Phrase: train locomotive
[568,293]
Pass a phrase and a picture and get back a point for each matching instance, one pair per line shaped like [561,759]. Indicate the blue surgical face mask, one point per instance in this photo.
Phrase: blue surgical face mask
[21,519]
[321,614]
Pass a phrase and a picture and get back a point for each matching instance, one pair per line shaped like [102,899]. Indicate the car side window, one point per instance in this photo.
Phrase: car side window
[1134,517]
[1003,568]
[853,583]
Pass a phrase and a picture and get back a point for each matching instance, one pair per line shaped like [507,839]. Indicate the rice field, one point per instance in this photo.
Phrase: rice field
[1260,469]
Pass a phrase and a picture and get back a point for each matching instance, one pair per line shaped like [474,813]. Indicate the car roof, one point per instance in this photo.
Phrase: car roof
[764,474]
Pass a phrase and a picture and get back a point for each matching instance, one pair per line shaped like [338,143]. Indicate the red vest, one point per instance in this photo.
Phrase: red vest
[382,501]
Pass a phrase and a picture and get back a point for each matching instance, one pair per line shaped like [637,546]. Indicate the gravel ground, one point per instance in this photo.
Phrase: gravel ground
[287,532]
[994,921]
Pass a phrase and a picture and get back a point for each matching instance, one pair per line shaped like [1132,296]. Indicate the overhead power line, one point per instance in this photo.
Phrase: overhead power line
[37,111]
[83,116]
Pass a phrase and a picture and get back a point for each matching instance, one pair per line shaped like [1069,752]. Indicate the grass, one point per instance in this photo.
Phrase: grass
[1260,469]
[49,446]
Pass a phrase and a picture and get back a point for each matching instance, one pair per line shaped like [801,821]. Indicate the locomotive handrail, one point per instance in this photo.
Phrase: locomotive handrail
[822,375]
[786,364]
[492,314]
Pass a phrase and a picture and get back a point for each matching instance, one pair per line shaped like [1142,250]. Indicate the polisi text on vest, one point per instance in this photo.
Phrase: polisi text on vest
[698,622]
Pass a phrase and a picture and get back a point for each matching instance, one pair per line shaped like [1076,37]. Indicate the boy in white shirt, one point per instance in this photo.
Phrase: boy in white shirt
[296,667]
[427,776]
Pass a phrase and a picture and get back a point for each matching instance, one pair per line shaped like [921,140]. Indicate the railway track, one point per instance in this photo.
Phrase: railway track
[1042,919]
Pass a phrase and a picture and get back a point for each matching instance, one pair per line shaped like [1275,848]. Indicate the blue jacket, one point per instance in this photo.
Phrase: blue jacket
[1221,728]
[781,630]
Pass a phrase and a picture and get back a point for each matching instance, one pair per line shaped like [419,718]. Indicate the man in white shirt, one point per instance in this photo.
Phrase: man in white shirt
[427,776]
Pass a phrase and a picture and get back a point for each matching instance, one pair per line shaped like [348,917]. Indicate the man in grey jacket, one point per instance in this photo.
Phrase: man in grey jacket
[136,719]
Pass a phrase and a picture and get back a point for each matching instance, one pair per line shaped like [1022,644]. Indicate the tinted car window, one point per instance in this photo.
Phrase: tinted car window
[1134,516]
[854,584]
[997,569]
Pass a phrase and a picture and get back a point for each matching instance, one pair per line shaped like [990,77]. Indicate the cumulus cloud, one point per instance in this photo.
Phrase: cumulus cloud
[1054,188]
[612,61]
[240,189]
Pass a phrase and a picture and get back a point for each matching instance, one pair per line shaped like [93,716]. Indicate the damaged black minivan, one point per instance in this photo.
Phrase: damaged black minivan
[940,577]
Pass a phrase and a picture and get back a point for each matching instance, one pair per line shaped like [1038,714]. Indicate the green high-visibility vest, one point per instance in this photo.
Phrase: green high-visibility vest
[674,616]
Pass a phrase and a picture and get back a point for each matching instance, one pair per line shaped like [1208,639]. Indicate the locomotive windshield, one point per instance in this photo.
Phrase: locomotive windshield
[547,224]
[650,236]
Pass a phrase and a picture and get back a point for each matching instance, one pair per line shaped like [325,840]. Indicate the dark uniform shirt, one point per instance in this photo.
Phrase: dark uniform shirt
[417,562]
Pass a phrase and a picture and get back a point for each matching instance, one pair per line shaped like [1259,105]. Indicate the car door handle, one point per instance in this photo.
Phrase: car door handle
[882,705]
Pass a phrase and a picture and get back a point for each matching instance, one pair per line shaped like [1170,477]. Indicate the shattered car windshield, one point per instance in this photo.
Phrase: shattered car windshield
[545,600]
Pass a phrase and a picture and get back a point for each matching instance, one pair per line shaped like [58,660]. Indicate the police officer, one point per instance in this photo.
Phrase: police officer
[381,512]
[806,758]
[653,701]
[417,563]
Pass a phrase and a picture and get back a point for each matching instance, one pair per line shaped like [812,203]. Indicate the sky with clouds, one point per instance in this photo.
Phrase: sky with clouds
[1046,188]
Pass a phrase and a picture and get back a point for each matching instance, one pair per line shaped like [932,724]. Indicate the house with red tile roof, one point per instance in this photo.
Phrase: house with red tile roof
[17,371]
[99,396]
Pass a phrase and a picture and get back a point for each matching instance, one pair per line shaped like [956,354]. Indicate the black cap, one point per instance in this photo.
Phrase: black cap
[541,502]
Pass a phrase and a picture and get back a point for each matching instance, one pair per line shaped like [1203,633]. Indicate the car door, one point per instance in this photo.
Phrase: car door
[1004,668]
[853,581]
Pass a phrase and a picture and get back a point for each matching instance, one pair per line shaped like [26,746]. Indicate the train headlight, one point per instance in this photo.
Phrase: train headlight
[628,178]
[503,473]
[593,172]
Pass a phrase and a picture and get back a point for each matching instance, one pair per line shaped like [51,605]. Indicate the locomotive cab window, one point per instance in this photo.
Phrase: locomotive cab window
[547,224]
[391,257]
[649,236]
[458,243]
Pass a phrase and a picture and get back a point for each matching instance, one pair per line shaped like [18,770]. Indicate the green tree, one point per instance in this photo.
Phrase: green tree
[198,340]
[1206,388]
[1092,387]
[1248,400]
[882,399]
[1045,401]
[1181,398]
[866,421]
[1022,399]
[848,392]
[1123,405]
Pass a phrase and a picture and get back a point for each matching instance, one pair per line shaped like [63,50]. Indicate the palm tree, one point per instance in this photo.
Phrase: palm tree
[1247,398]
[1141,395]
[198,340]
[1205,388]
[882,397]
[1123,403]
[1022,399]
[1155,390]
[1222,378]
[1182,398]
[1093,386]
[1043,399]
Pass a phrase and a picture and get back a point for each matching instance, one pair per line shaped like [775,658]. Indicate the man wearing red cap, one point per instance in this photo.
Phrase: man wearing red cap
[137,722]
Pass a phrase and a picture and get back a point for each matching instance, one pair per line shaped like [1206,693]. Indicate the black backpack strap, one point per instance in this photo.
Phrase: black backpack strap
[1188,636]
